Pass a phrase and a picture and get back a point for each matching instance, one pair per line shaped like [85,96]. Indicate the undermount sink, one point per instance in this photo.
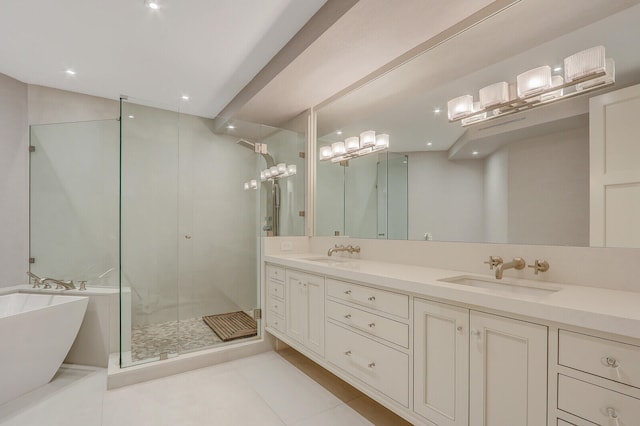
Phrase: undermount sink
[329,260]
[501,286]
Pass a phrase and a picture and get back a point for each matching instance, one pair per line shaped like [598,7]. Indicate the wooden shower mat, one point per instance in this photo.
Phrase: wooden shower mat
[233,325]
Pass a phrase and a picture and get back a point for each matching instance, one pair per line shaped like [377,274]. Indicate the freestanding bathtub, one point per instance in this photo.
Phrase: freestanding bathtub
[36,332]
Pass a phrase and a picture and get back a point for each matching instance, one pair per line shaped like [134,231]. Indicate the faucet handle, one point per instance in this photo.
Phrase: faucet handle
[493,262]
[539,266]
[83,285]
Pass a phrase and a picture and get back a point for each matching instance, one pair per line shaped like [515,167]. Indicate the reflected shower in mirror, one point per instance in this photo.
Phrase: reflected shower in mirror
[521,178]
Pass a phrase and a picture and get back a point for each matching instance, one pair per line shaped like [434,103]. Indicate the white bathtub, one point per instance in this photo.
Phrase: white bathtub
[36,332]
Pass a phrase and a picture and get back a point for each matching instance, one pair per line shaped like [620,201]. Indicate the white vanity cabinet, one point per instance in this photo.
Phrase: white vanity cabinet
[305,309]
[507,371]
[478,369]
[441,363]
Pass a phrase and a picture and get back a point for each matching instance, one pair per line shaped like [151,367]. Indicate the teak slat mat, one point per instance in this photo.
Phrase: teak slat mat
[233,325]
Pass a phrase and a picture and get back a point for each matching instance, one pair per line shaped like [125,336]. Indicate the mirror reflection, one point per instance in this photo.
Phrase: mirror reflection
[526,177]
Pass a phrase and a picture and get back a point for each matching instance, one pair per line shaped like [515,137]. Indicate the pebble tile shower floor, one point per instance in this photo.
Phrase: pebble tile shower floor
[149,341]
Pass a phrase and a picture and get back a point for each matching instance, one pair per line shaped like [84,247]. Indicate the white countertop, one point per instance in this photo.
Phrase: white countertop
[604,310]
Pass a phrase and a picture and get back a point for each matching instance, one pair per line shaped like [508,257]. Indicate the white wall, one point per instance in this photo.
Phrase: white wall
[445,197]
[14,186]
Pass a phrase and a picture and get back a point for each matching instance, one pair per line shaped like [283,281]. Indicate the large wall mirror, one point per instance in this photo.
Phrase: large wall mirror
[523,177]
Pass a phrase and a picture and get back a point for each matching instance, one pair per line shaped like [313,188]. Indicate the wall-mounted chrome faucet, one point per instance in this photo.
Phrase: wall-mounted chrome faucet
[516,263]
[351,249]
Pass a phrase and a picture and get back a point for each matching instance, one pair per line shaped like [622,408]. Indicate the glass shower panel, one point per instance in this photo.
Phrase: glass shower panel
[330,199]
[149,232]
[361,196]
[74,201]
[397,196]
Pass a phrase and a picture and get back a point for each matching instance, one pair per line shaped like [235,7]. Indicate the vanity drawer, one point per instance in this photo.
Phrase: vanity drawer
[375,325]
[601,357]
[275,273]
[275,289]
[275,322]
[379,366]
[276,306]
[595,403]
[381,300]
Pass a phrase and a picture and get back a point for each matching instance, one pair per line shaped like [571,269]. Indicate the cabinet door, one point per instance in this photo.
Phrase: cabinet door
[508,372]
[314,336]
[441,363]
[296,306]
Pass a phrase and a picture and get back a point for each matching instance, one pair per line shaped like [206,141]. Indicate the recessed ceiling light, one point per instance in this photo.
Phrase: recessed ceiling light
[429,143]
[231,127]
[475,153]
[557,69]
[185,97]
[152,4]
[70,72]
[339,132]
[436,110]
[131,116]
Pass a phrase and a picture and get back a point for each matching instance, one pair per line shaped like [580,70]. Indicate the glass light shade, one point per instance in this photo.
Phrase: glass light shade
[246,185]
[609,77]
[253,184]
[534,81]
[460,106]
[475,118]
[337,148]
[282,168]
[262,176]
[382,141]
[274,171]
[325,152]
[581,64]
[267,173]
[556,81]
[352,143]
[368,138]
[291,169]
[495,94]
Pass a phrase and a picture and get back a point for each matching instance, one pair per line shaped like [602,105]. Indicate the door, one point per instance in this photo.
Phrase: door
[296,302]
[508,372]
[614,156]
[441,363]
[314,338]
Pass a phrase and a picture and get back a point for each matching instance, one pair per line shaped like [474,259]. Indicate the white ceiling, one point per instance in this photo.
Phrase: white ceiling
[206,49]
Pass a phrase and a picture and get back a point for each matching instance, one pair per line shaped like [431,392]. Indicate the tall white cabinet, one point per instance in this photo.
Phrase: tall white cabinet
[507,371]
[441,363]
[305,309]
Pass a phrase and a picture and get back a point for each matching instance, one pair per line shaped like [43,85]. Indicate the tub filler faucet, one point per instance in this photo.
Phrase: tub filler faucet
[67,285]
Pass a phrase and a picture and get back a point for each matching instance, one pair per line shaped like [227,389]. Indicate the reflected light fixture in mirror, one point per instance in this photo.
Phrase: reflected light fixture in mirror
[354,146]
[583,71]
[282,170]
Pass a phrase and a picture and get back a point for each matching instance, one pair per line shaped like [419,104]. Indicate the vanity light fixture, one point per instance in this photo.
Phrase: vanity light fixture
[279,171]
[583,71]
[354,146]
[252,184]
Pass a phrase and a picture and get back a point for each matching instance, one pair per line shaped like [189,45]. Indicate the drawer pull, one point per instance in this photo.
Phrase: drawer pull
[612,363]
[347,292]
[459,328]
[357,360]
[348,316]
[372,325]
[613,415]
[372,299]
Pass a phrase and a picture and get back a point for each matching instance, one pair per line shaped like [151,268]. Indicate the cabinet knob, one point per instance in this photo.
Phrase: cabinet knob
[459,328]
[372,364]
[612,362]
[347,292]
[613,416]
[372,325]
[372,299]
[348,353]
[475,332]
[348,316]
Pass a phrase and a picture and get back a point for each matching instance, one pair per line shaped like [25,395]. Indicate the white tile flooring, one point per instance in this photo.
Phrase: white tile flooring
[261,390]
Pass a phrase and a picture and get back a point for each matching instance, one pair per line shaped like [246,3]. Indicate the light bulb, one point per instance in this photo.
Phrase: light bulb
[352,143]
[337,148]
[246,186]
[274,171]
[325,152]
[253,184]
[368,138]
[282,168]
[291,169]
[382,141]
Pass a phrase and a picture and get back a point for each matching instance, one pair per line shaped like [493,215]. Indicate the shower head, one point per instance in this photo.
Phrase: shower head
[247,144]
[252,146]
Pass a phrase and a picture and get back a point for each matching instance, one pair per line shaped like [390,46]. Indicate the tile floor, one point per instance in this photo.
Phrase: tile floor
[268,389]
